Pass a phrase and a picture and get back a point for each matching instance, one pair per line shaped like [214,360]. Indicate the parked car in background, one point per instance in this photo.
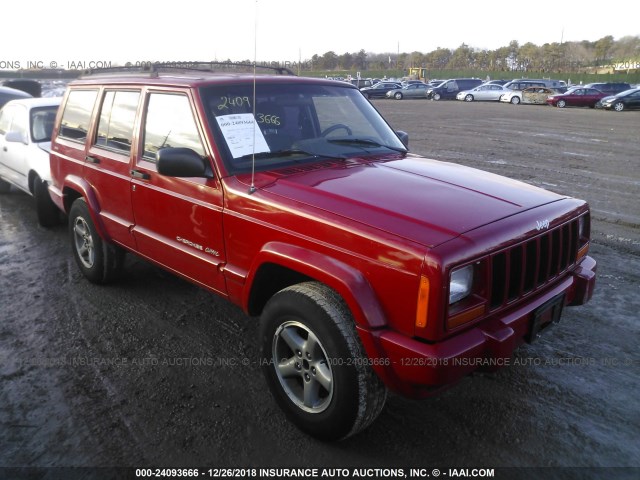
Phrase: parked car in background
[610,88]
[530,95]
[576,97]
[484,92]
[25,144]
[361,82]
[32,87]
[522,83]
[497,82]
[404,83]
[413,90]
[627,100]
[380,89]
[450,88]
[7,94]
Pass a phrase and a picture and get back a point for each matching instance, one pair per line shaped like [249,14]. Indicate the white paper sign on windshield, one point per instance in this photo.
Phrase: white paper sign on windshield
[240,131]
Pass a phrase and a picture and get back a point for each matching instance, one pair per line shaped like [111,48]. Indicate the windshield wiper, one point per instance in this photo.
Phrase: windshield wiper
[287,152]
[365,141]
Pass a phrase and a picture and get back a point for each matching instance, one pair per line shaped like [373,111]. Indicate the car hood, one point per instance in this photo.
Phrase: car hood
[426,201]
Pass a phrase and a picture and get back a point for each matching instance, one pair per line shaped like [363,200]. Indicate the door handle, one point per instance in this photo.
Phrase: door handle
[91,159]
[141,175]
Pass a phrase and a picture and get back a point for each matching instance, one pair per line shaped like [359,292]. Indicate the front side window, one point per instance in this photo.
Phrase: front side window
[76,118]
[117,116]
[169,123]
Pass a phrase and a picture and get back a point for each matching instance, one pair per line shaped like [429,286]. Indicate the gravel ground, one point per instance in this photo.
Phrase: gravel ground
[153,371]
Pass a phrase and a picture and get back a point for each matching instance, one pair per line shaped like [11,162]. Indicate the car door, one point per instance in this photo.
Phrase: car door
[591,97]
[178,221]
[14,125]
[108,161]
[633,101]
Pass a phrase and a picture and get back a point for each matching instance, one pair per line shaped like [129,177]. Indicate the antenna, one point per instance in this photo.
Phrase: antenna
[252,187]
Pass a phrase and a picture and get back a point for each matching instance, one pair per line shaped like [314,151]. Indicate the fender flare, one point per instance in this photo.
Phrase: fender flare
[86,191]
[349,282]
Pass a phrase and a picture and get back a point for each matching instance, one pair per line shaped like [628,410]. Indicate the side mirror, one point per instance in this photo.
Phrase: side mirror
[181,162]
[17,137]
[404,137]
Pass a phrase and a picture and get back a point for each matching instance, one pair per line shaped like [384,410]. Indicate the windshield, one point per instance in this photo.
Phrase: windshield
[294,124]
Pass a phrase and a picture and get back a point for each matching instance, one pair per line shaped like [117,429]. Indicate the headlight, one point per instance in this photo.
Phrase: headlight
[584,232]
[460,283]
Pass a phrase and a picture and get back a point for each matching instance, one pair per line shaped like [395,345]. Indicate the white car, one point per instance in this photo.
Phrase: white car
[533,95]
[25,143]
[484,92]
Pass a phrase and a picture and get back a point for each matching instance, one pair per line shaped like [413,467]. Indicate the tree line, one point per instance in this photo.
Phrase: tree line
[550,57]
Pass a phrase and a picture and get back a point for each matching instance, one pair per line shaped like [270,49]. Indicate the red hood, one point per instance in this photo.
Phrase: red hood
[426,201]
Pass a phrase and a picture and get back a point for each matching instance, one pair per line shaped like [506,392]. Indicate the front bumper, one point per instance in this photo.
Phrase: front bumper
[415,368]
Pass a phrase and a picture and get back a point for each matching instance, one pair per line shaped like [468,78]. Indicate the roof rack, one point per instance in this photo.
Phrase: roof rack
[154,68]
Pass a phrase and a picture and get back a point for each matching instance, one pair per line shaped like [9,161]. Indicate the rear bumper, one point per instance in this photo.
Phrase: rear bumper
[415,368]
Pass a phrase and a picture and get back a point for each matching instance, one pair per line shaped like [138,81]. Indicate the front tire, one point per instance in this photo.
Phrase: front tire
[468,98]
[561,104]
[515,100]
[618,106]
[436,96]
[48,213]
[397,96]
[99,261]
[315,365]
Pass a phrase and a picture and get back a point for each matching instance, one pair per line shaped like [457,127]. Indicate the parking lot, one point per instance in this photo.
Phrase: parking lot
[153,371]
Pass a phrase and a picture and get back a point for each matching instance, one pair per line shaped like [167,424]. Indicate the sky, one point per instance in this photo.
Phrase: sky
[120,31]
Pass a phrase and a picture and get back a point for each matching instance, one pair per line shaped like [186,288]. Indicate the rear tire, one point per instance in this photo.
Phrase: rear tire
[315,365]
[99,261]
[48,213]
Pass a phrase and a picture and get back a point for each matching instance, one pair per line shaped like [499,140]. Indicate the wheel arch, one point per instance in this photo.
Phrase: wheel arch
[75,187]
[279,265]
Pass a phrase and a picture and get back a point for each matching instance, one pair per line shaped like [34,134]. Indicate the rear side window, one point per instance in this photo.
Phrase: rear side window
[77,115]
[170,123]
[117,116]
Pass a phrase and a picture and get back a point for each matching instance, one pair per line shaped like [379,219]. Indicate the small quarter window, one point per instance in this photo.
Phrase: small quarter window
[77,114]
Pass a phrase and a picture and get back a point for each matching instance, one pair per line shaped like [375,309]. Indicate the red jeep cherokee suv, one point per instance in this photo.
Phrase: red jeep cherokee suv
[371,268]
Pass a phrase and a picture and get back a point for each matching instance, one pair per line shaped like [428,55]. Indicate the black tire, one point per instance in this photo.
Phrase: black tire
[48,213]
[315,365]
[618,106]
[4,186]
[397,96]
[99,261]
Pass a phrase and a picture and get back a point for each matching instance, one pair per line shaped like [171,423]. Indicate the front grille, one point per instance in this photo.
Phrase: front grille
[528,266]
